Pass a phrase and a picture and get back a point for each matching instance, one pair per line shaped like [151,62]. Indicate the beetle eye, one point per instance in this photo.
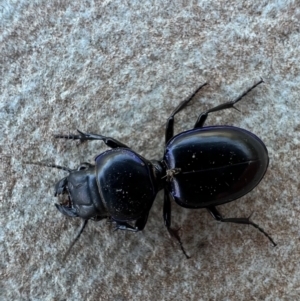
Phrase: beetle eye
[82,167]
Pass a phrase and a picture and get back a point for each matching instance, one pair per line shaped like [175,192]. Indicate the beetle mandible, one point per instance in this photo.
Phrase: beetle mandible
[201,168]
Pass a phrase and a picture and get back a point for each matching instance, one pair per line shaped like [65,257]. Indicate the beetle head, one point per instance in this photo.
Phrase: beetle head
[78,194]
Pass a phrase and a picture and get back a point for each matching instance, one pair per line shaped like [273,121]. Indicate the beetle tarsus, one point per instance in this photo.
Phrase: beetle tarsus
[125,226]
[167,220]
[238,220]
[246,221]
[175,234]
[228,105]
[110,142]
[75,239]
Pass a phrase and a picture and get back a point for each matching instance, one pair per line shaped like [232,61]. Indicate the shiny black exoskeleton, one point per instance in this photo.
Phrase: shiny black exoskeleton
[201,168]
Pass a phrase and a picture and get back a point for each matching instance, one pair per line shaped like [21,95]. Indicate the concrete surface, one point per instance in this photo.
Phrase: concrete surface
[119,68]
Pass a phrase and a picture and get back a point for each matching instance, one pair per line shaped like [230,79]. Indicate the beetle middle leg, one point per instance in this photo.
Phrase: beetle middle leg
[203,116]
[110,142]
[167,220]
[242,220]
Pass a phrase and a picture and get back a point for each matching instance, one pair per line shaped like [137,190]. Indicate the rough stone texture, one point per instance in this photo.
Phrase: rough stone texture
[119,68]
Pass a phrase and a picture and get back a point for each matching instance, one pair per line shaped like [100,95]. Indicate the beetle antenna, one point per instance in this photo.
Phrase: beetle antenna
[49,165]
[76,238]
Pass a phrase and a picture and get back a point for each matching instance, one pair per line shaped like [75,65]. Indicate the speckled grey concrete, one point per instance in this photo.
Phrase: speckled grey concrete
[119,68]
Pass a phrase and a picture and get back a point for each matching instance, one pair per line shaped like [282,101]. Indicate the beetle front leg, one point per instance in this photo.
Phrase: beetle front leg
[125,226]
[167,219]
[140,224]
[203,116]
[85,221]
[110,142]
[239,220]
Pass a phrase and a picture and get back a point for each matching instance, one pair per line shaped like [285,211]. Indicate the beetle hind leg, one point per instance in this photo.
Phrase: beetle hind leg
[170,122]
[239,220]
[167,219]
[203,116]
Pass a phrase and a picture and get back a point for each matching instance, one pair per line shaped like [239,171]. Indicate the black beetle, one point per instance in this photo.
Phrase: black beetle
[201,168]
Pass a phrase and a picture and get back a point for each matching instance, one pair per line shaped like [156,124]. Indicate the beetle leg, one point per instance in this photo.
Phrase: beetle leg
[110,142]
[125,226]
[202,117]
[142,221]
[76,238]
[167,210]
[242,220]
[170,122]
[167,219]
[139,224]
